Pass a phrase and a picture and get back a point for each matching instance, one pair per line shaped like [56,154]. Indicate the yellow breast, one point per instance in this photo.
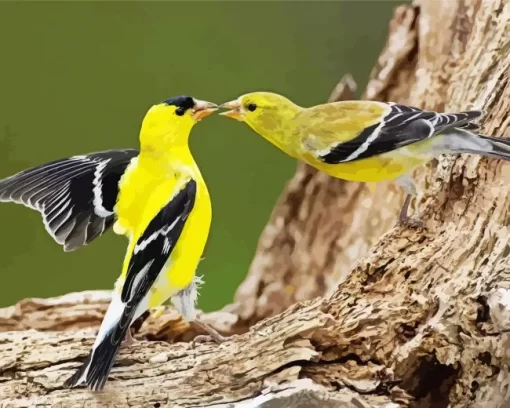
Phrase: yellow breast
[144,191]
[384,167]
[180,269]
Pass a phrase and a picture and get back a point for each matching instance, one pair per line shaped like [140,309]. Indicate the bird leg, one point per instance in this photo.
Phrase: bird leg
[185,301]
[129,340]
[407,183]
[134,328]
[404,219]
[212,334]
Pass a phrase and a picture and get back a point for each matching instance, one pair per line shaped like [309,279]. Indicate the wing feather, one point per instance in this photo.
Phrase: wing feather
[75,196]
[151,252]
[156,244]
[402,126]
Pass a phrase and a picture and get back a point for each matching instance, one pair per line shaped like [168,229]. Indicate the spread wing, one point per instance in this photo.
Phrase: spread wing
[401,126]
[75,196]
[156,244]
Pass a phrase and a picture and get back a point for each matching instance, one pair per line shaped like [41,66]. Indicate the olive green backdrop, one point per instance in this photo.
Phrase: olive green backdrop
[78,77]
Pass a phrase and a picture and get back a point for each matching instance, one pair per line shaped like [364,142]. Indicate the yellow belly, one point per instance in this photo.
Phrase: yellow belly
[180,269]
[366,170]
[143,194]
[384,167]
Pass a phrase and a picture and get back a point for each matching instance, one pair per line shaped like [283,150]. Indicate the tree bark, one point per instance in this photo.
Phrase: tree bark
[406,318]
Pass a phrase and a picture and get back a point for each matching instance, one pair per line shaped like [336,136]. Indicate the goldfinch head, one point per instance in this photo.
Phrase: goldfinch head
[264,112]
[171,121]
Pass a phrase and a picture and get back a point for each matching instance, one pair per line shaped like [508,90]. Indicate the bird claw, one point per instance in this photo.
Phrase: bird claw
[206,338]
[129,340]
[410,222]
[202,338]
[211,336]
[404,220]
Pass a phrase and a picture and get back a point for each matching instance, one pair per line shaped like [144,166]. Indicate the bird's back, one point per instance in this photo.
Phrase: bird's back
[323,125]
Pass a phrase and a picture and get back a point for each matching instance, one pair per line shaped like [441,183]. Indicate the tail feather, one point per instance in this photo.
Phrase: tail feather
[473,127]
[464,141]
[500,147]
[77,377]
[95,370]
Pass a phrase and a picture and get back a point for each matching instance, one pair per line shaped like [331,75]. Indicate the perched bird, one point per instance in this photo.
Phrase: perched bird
[156,197]
[363,140]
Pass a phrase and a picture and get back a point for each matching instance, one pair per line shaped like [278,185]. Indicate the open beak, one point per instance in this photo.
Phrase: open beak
[203,109]
[235,112]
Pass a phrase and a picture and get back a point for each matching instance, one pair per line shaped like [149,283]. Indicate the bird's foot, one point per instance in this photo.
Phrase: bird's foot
[404,220]
[212,335]
[206,338]
[129,340]
[410,222]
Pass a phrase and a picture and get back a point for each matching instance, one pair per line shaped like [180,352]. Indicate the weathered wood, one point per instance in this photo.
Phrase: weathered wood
[422,319]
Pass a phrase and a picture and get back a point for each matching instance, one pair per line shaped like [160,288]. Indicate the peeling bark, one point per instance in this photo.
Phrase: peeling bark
[420,318]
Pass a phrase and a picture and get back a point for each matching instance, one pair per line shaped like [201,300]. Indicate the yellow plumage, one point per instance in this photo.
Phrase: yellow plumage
[151,183]
[156,197]
[147,186]
[363,140]
[162,169]
[305,132]
[384,167]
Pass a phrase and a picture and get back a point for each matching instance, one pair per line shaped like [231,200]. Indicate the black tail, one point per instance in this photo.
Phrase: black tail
[500,147]
[460,140]
[95,370]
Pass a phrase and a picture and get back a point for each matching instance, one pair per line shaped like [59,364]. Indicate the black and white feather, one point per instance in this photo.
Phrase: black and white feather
[152,251]
[402,126]
[157,242]
[76,196]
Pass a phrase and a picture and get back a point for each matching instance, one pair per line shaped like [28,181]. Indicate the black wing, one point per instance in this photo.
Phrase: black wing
[75,195]
[154,247]
[403,126]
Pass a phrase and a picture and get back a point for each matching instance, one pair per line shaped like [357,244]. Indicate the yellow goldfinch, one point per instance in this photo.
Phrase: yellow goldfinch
[363,140]
[156,197]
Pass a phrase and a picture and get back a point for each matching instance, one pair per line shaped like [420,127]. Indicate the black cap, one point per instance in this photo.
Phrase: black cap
[185,102]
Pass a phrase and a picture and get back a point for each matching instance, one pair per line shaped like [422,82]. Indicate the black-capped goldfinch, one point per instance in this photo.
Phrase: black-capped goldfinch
[156,197]
[363,140]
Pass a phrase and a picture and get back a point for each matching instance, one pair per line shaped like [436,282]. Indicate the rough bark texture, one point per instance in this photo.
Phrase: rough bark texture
[422,319]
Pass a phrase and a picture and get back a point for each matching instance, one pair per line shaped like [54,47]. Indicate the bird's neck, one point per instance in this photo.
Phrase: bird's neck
[175,160]
[280,131]
[158,138]
[281,139]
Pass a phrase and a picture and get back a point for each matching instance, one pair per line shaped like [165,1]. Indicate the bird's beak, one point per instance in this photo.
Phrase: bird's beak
[235,112]
[203,109]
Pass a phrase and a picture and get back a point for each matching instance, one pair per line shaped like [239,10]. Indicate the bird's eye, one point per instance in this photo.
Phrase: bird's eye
[251,107]
[179,111]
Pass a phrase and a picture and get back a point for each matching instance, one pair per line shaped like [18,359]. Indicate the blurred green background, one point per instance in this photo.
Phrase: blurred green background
[79,77]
